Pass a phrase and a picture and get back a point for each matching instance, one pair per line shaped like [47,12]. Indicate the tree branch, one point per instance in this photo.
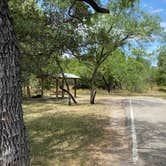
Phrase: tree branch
[120,43]
[94,5]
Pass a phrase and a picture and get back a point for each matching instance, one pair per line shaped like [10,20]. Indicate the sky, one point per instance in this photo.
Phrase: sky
[154,7]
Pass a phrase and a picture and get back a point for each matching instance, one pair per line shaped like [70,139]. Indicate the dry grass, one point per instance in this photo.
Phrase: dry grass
[78,135]
[155,92]
[66,135]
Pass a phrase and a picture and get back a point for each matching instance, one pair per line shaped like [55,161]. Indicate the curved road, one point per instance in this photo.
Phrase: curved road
[147,123]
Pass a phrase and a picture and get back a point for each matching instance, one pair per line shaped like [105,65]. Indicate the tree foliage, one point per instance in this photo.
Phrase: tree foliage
[50,29]
[161,78]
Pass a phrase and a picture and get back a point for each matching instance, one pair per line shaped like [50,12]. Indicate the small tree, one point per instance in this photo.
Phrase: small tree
[106,33]
[161,78]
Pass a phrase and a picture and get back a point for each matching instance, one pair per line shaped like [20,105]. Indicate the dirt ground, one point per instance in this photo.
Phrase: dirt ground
[96,135]
[83,134]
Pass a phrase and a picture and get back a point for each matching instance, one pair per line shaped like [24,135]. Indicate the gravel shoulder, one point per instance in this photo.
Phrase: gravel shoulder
[121,142]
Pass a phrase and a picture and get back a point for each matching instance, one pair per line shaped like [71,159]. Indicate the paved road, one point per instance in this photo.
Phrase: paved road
[149,120]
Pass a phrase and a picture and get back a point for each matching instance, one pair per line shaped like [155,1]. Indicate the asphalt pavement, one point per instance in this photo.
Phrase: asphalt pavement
[146,120]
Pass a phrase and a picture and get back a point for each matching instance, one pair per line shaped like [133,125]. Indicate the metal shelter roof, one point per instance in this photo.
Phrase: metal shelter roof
[68,75]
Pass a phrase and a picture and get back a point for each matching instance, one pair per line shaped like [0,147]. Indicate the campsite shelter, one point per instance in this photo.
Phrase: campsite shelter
[59,82]
[68,76]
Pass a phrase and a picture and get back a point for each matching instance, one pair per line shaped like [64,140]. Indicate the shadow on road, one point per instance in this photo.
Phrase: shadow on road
[151,139]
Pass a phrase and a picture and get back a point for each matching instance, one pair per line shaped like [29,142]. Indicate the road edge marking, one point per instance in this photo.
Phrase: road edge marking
[134,135]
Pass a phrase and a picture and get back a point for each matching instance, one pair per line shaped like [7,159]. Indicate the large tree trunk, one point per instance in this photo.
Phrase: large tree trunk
[92,85]
[13,139]
[92,91]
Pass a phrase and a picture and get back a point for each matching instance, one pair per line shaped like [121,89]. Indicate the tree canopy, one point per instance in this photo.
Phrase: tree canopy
[51,30]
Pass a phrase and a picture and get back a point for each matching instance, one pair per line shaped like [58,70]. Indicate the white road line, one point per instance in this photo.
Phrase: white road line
[134,136]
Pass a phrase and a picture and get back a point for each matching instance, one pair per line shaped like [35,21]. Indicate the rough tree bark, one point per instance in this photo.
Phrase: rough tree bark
[13,139]
[92,85]
[92,93]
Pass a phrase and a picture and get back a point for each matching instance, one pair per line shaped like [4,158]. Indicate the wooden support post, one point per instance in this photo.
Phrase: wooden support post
[62,87]
[42,86]
[57,88]
[28,91]
[24,90]
[75,87]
